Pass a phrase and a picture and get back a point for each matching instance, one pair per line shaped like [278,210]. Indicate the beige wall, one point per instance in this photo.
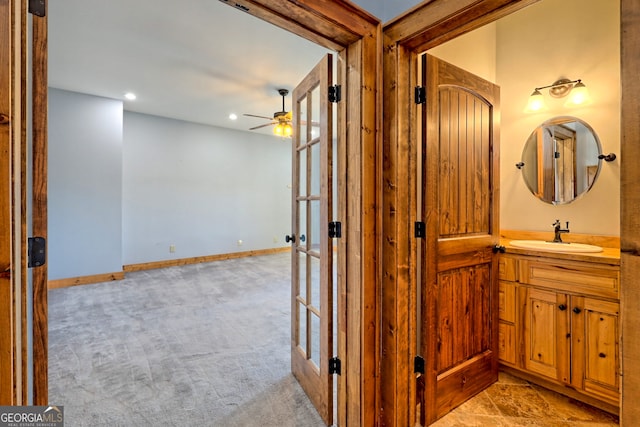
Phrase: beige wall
[474,52]
[576,39]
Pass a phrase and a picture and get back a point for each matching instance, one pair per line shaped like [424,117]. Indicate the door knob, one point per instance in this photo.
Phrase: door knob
[303,238]
[288,238]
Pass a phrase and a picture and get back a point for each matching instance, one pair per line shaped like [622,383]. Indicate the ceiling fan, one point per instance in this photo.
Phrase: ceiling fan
[281,119]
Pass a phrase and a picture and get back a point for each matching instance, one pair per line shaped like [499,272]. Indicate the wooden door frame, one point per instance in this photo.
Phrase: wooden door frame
[630,210]
[354,34]
[13,194]
[39,161]
[7,267]
[425,26]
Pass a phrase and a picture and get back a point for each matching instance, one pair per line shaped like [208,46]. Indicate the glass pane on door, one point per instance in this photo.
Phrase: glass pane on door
[315,339]
[315,169]
[302,172]
[314,219]
[302,227]
[302,327]
[315,107]
[302,137]
[314,283]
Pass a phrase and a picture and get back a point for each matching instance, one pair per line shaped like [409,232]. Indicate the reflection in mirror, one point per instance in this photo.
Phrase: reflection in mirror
[560,160]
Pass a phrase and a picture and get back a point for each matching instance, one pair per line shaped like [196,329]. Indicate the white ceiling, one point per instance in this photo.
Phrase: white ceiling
[198,62]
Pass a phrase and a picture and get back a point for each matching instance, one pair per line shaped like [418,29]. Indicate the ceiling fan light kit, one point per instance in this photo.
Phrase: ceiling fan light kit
[281,119]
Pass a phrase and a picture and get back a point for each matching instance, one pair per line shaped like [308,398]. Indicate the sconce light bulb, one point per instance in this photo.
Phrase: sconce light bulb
[579,96]
[536,102]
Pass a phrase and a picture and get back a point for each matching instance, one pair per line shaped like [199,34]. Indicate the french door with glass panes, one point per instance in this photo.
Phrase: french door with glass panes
[312,254]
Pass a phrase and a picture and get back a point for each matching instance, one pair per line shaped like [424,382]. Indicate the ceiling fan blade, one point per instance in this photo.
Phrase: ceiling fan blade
[261,126]
[260,117]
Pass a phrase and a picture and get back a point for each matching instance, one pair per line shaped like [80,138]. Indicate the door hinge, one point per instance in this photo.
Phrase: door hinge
[420,95]
[335,93]
[38,7]
[37,251]
[334,366]
[335,229]
[418,365]
[420,229]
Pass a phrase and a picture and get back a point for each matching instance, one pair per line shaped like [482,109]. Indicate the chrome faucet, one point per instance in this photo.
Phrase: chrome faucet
[557,228]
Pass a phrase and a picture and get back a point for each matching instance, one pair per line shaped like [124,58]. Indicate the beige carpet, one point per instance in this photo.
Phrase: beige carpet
[199,345]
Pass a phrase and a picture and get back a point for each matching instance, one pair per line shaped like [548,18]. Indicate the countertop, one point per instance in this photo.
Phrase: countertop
[607,256]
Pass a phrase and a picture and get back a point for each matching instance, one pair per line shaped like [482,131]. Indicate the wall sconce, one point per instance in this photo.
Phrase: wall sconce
[577,91]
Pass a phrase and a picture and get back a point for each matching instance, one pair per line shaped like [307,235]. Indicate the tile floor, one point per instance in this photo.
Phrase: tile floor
[512,402]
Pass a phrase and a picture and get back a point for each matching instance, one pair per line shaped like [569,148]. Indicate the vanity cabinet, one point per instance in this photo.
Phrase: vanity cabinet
[559,321]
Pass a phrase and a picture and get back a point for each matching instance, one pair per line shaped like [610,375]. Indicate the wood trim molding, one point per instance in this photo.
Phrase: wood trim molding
[85,280]
[630,211]
[334,25]
[22,92]
[201,259]
[7,270]
[39,103]
[120,275]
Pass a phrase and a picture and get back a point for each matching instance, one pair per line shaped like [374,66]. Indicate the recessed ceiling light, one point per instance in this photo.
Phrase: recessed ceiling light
[233,116]
[130,96]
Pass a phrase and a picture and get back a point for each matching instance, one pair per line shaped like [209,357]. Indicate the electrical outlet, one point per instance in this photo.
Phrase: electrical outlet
[239,242]
[275,239]
[172,248]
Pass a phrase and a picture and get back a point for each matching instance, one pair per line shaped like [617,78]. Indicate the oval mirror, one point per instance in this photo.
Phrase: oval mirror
[560,160]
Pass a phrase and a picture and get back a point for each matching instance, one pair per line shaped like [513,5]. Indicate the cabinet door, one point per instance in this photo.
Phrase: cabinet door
[507,328]
[601,350]
[546,333]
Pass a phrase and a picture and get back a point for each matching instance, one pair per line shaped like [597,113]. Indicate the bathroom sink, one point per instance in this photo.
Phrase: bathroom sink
[541,245]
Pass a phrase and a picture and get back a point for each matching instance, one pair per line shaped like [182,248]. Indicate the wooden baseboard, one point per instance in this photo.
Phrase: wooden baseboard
[85,280]
[201,259]
[108,277]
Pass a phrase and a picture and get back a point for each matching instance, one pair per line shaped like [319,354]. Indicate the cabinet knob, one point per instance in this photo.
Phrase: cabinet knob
[577,310]
[562,307]
[602,355]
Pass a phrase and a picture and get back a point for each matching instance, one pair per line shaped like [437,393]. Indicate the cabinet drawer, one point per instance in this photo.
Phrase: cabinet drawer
[575,277]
